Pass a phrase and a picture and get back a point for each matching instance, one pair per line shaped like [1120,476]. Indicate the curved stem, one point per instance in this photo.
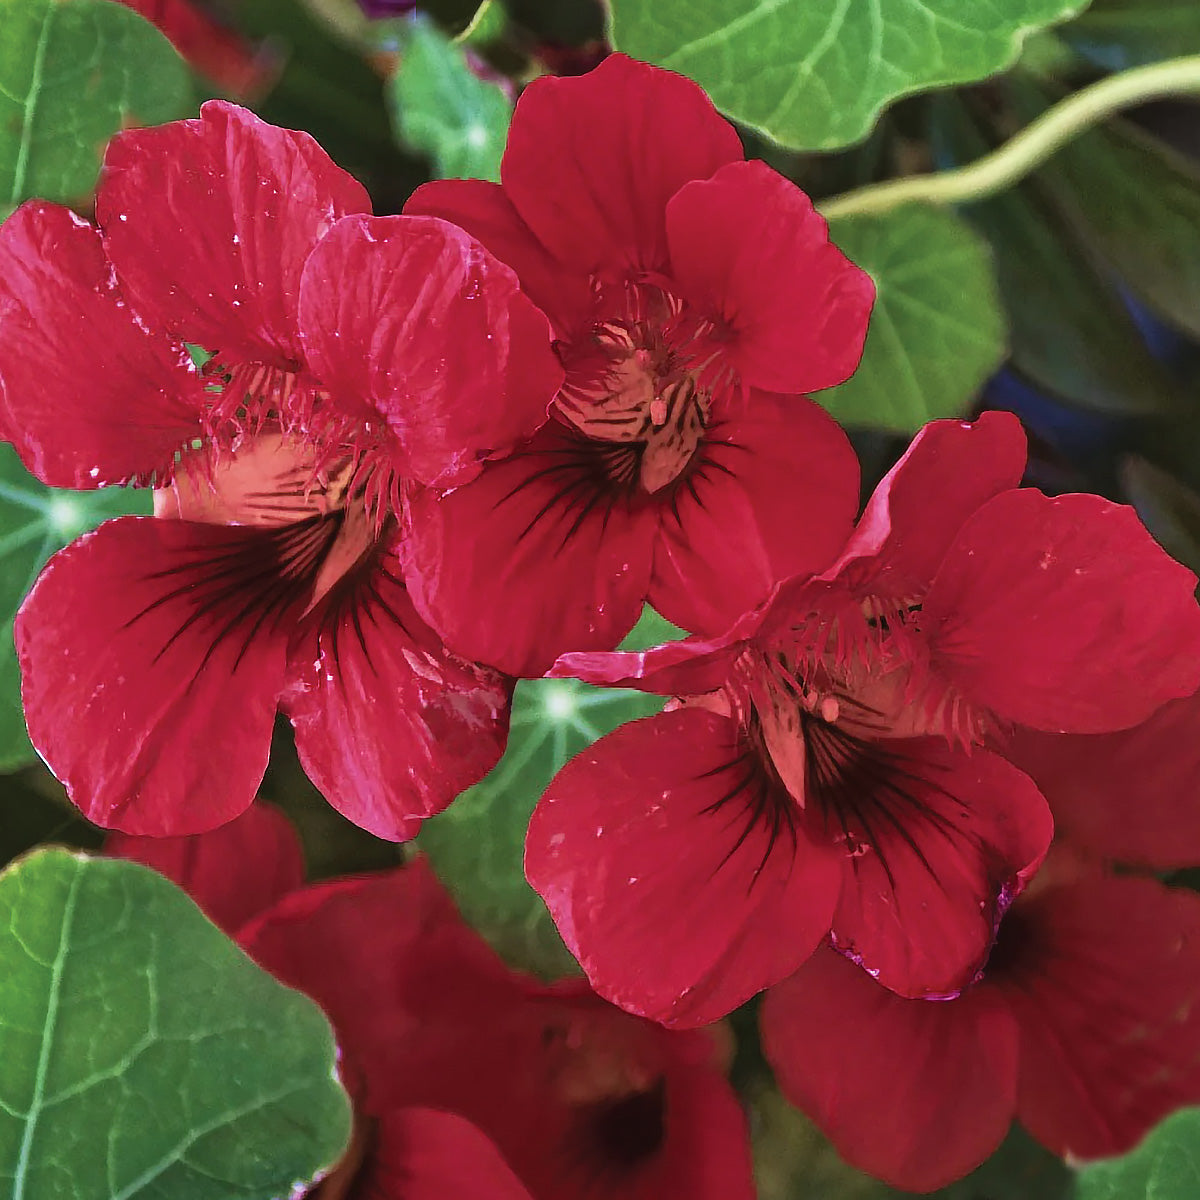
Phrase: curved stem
[1029,148]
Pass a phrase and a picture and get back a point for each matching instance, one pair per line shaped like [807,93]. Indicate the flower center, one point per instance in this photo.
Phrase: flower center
[639,382]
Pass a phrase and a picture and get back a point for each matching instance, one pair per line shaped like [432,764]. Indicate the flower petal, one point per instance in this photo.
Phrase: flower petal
[529,560]
[774,495]
[749,249]
[149,686]
[915,1092]
[1103,977]
[234,872]
[1063,614]
[389,726]
[87,396]
[1129,797]
[951,469]
[484,210]
[412,320]
[949,844]
[209,222]
[654,812]
[423,1154]
[592,161]
[370,951]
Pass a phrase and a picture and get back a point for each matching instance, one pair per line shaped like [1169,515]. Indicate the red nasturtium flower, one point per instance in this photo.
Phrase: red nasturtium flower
[688,290]
[1082,1027]
[349,353]
[580,1100]
[825,772]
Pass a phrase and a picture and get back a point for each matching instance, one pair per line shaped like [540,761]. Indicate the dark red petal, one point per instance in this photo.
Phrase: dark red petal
[678,903]
[531,559]
[209,222]
[234,872]
[1131,796]
[1063,614]
[593,160]
[951,469]
[918,910]
[706,1151]
[748,249]
[422,1154]
[155,715]
[446,350]
[774,494]
[371,951]
[915,1092]
[389,726]
[486,213]
[1103,976]
[687,668]
[86,395]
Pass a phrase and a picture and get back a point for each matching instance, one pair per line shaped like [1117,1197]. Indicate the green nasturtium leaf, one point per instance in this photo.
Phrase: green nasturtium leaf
[35,521]
[1071,335]
[72,73]
[477,846]
[1131,33]
[1137,203]
[1166,1166]
[937,331]
[442,108]
[145,1057]
[815,74]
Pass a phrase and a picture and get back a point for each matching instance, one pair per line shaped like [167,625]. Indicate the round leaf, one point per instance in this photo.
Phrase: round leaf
[144,1055]
[937,331]
[477,845]
[815,74]
[1166,1166]
[72,73]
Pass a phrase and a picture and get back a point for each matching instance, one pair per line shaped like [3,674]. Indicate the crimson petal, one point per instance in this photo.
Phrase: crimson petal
[660,809]
[152,660]
[946,848]
[1063,614]
[412,320]
[87,396]
[1103,977]
[487,214]
[389,726]
[951,469]
[209,222]
[1129,797]
[774,494]
[423,1154]
[531,559]
[234,872]
[915,1092]
[750,250]
[592,161]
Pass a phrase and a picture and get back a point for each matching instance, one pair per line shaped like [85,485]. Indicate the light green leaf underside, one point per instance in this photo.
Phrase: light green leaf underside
[937,331]
[477,845]
[815,74]
[443,109]
[145,1057]
[72,73]
[35,521]
[1166,1166]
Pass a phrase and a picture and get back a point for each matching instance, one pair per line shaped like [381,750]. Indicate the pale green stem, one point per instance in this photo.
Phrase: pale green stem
[1028,149]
